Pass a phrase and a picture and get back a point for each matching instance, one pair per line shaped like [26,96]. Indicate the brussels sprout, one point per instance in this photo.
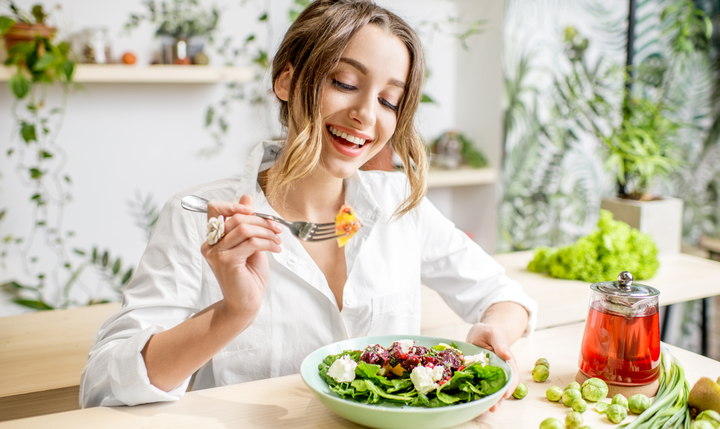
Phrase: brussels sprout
[540,373]
[598,382]
[638,403]
[579,405]
[701,424]
[573,420]
[542,361]
[570,395]
[601,407]
[616,413]
[554,393]
[574,385]
[551,423]
[620,400]
[709,416]
[521,391]
[594,389]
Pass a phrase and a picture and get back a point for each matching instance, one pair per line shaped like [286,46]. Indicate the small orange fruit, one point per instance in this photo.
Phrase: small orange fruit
[129,58]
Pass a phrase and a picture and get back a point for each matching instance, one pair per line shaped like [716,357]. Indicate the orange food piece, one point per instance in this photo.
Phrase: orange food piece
[346,223]
[128,58]
[398,370]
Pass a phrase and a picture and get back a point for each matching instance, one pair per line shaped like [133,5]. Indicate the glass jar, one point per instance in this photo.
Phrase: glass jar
[621,343]
[95,46]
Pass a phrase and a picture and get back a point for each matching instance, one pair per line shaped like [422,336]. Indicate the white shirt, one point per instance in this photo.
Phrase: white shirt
[386,264]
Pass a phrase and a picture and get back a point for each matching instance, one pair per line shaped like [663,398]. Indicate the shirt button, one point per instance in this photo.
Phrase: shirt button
[290,262]
[349,301]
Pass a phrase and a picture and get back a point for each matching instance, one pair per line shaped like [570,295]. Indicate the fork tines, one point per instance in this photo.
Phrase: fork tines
[324,231]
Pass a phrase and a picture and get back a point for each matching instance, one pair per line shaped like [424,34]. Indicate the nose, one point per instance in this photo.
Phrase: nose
[363,110]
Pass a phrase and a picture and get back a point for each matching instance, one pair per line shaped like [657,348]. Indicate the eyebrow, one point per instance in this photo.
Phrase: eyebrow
[364,70]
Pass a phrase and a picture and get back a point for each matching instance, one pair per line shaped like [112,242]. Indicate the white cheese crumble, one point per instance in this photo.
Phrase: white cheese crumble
[343,369]
[424,378]
[406,345]
[480,357]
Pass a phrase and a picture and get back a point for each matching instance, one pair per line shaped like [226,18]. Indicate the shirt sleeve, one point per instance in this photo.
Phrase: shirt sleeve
[466,277]
[163,293]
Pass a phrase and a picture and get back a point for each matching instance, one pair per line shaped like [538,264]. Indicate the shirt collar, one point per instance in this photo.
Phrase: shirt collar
[357,195]
[265,154]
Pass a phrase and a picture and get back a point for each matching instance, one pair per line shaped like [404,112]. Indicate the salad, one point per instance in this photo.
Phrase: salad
[412,375]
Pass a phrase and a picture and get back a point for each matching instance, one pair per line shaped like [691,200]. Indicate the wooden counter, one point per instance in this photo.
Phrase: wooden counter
[41,357]
[680,278]
[286,402]
[42,354]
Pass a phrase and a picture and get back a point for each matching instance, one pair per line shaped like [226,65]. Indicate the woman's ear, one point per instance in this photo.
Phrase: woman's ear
[282,83]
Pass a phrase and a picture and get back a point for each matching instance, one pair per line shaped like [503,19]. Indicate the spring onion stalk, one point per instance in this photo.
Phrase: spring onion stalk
[669,409]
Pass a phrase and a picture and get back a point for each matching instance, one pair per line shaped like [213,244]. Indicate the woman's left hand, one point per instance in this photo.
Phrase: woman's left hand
[494,339]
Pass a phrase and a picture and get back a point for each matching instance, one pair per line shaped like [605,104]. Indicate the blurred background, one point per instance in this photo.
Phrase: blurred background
[523,101]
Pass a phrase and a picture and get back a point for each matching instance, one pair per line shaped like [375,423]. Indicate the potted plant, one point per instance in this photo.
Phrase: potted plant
[178,22]
[22,27]
[642,149]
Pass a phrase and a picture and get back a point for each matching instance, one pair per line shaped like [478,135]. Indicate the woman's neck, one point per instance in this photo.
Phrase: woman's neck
[316,197]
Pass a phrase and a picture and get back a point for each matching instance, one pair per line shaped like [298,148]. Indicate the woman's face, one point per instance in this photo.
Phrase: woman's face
[360,98]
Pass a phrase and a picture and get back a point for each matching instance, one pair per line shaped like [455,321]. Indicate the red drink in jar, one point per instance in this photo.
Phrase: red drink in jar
[619,349]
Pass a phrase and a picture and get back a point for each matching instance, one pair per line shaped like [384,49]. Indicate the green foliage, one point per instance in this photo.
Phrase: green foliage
[297,8]
[179,18]
[470,155]
[108,268]
[600,255]
[40,63]
[145,212]
[642,149]
[691,27]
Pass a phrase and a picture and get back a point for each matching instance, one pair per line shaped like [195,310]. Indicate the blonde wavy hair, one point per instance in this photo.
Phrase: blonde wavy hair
[313,46]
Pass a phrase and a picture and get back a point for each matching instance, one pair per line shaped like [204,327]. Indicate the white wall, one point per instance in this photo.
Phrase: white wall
[128,138]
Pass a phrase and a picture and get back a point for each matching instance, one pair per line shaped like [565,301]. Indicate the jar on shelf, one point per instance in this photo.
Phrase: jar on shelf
[95,46]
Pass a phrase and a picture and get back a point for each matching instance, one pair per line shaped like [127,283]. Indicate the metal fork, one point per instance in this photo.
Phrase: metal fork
[306,231]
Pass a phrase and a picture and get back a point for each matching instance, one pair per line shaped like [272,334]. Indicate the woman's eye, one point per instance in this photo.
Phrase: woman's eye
[341,85]
[387,104]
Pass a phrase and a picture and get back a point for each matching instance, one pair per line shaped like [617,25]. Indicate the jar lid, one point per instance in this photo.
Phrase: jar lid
[624,287]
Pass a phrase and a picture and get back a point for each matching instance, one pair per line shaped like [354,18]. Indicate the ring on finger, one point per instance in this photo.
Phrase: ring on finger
[215,229]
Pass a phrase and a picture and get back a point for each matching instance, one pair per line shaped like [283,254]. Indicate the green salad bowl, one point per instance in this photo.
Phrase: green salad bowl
[390,415]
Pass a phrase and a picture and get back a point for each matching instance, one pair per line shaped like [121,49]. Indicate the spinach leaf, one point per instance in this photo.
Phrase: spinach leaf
[354,355]
[446,398]
[491,378]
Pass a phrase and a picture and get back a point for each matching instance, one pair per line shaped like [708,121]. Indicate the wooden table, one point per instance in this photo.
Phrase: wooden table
[42,354]
[286,402]
[41,357]
[680,278]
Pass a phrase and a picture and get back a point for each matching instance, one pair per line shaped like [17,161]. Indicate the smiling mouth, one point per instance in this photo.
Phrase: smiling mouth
[346,139]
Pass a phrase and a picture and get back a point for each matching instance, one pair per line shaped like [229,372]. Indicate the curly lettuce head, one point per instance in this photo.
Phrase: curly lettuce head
[601,255]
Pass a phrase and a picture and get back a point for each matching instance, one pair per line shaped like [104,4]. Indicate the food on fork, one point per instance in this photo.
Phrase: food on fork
[346,224]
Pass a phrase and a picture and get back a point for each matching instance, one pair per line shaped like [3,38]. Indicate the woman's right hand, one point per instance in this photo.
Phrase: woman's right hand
[238,259]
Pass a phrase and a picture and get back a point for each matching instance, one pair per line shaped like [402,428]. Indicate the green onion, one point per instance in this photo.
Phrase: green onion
[670,408]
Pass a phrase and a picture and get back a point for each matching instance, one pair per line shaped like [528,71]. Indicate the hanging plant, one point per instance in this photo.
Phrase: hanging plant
[39,62]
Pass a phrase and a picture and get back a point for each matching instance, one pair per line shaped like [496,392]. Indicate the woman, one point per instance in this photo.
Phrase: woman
[253,304]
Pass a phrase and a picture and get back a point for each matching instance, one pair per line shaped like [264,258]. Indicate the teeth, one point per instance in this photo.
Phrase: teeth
[352,139]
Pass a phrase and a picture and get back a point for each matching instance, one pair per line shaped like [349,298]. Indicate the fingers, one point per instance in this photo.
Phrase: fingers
[227,209]
[494,339]
[242,228]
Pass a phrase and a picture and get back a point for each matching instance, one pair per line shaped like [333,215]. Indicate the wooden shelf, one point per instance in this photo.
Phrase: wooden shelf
[118,73]
[462,177]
